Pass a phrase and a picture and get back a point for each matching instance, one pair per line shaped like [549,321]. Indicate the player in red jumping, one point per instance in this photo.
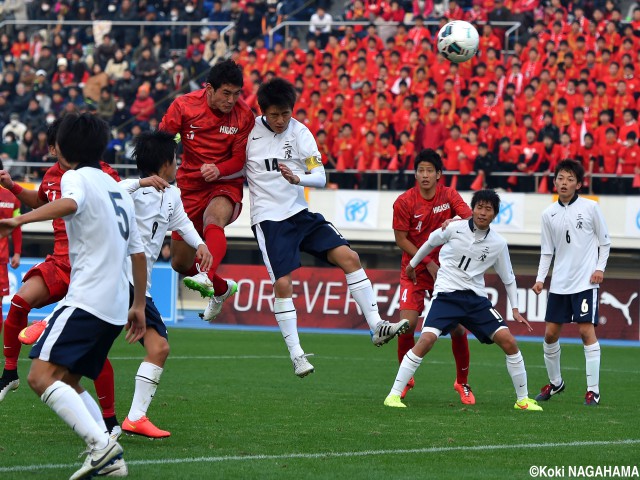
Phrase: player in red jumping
[47,283]
[214,124]
[416,214]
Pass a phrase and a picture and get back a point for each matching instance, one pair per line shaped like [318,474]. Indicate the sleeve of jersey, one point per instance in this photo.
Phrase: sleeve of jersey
[238,148]
[130,184]
[172,120]
[438,237]
[16,234]
[546,237]
[600,226]
[72,187]
[460,207]
[400,216]
[503,267]
[312,159]
[181,223]
[135,242]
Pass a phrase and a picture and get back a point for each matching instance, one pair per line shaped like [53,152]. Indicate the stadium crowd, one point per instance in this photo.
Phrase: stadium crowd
[372,94]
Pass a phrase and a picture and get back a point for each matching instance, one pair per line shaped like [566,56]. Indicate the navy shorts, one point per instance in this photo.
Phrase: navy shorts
[573,307]
[152,316]
[281,242]
[467,308]
[77,340]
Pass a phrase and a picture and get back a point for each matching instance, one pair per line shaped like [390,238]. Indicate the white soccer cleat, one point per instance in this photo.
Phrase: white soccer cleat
[215,303]
[115,469]
[97,459]
[301,366]
[116,432]
[385,331]
[200,283]
[7,386]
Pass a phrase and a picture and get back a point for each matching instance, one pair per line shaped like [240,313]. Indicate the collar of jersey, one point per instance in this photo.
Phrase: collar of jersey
[264,122]
[473,228]
[575,197]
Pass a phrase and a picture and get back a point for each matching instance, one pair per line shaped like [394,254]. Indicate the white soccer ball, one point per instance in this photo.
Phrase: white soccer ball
[458,41]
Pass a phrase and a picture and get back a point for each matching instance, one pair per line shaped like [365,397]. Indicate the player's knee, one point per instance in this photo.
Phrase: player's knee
[37,382]
[350,261]
[162,351]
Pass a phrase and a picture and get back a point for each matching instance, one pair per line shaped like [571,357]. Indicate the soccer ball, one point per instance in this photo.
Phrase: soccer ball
[458,41]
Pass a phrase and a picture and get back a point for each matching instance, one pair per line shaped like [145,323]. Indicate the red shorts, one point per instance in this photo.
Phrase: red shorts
[4,279]
[196,202]
[412,296]
[56,273]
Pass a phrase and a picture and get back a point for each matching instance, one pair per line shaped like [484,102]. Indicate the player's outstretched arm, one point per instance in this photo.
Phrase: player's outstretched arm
[520,319]
[28,197]
[136,324]
[59,208]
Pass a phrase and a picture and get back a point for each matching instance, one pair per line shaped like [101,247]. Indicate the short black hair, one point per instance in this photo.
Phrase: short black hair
[226,72]
[151,150]
[488,196]
[570,166]
[82,138]
[52,132]
[431,156]
[276,92]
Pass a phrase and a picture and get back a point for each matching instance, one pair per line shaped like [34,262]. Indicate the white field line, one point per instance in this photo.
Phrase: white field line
[311,456]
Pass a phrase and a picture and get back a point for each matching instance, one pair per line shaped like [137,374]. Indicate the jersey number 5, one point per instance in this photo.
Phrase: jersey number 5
[123,224]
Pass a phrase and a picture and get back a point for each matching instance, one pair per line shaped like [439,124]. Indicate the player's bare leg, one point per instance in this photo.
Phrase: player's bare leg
[552,351]
[515,366]
[592,361]
[361,290]
[147,380]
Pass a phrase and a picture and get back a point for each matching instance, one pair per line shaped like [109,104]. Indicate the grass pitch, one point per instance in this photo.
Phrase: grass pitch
[235,410]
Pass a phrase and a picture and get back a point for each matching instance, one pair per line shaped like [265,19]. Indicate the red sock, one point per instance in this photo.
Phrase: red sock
[193,270]
[217,245]
[460,348]
[17,319]
[106,391]
[406,342]
[1,316]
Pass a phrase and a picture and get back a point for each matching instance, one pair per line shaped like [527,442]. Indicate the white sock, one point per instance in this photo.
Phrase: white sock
[552,361]
[288,322]
[592,358]
[147,380]
[362,292]
[93,409]
[68,405]
[408,367]
[515,367]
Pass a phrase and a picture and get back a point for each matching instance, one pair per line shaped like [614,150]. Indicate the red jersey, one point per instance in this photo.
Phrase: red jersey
[50,190]
[419,217]
[208,138]
[8,206]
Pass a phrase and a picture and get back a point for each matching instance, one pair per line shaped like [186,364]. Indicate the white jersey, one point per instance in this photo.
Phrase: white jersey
[102,234]
[272,197]
[573,233]
[467,253]
[156,213]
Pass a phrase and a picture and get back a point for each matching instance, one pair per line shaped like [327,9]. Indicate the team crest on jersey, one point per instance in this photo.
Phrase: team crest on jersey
[287,150]
[169,211]
[579,224]
[441,208]
[484,254]
[228,130]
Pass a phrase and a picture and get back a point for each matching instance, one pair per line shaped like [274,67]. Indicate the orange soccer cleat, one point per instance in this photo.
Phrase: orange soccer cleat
[410,384]
[466,395]
[143,427]
[31,334]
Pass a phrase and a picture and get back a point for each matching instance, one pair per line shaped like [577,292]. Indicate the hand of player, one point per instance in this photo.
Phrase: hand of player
[520,319]
[411,273]
[136,325]
[15,260]
[154,181]
[5,180]
[204,258]
[210,172]
[537,288]
[432,268]
[597,277]
[288,175]
[448,222]
[6,226]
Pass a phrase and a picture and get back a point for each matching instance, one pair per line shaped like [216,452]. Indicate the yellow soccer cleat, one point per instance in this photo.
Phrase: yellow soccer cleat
[394,401]
[527,404]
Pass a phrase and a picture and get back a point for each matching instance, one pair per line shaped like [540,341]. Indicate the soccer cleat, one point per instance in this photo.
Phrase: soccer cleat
[385,331]
[301,366]
[466,395]
[143,427]
[8,382]
[215,303]
[527,404]
[410,384]
[548,391]
[117,468]
[97,459]
[200,283]
[394,401]
[115,432]
[31,334]
[592,399]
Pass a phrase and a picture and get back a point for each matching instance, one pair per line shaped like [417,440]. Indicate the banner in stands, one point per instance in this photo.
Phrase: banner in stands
[164,289]
[356,209]
[323,301]
[632,223]
[511,215]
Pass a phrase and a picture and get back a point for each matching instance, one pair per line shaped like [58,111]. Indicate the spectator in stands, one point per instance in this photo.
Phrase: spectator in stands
[116,66]
[9,148]
[127,87]
[320,26]
[34,116]
[106,105]
[15,127]
[147,67]
[434,133]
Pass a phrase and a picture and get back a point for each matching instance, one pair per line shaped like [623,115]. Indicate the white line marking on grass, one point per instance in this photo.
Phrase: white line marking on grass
[365,453]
